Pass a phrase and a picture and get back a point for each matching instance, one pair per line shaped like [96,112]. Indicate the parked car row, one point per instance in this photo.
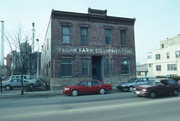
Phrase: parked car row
[149,87]
[16,81]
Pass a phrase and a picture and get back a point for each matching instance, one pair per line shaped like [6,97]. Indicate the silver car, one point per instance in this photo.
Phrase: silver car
[130,84]
[16,83]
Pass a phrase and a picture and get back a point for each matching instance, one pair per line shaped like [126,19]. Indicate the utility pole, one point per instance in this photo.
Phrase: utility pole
[2,45]
[38,60]
[33,35]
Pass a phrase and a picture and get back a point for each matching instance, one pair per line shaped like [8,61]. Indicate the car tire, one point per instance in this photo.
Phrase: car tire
[131,88]
[102,91]
[74,93]
[8,87]
[175,92]
[31,87]
[152,95]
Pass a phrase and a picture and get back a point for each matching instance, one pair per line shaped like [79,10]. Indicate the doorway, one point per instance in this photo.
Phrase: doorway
[97,68]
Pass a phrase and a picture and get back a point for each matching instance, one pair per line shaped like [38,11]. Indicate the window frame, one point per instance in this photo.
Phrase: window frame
[158,67]
[87,72]
[63,70]
[108,34]
[123,37]
[84,38]
[128,66]
[66,35]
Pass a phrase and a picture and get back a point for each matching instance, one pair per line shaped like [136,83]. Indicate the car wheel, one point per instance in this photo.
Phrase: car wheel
[152,95]
[74,93]
[175,92]
[8,87]
[102,91]
[130,89]
[31,87]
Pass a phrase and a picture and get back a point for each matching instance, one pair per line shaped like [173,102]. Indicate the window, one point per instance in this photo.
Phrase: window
[66,67]
[108,67]
[84,36]
[65,34]
[124,66]
[172,82]
[177,54]
[158,67]
[171,67]
[94,83]
[162,46]
[149,57]
[123,37]
[150,65]
[158,56]
[108,36]
[167,55]
[85,67]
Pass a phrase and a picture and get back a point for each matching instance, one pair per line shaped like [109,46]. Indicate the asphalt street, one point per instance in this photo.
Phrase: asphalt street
[122,106]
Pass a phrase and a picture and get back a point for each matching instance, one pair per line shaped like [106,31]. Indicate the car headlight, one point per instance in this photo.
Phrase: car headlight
[66,88]
[144,90]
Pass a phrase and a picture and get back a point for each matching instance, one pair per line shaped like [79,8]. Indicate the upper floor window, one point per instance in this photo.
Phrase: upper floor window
[158,56]
[149,57]
[123,37]
[162,46]
[177,54]
[65,34]
[167,55]
[108,36]
[84,36]
[125,66]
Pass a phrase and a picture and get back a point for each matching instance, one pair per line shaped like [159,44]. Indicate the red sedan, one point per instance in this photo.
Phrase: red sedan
[87,87]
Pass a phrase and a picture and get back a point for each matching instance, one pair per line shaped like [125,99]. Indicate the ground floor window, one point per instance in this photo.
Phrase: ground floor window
[158,67]
[171,67]
[125,66]
[66,67]
[108,67]
[85,66]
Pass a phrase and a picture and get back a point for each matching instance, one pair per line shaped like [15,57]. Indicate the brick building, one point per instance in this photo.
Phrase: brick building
[82,46]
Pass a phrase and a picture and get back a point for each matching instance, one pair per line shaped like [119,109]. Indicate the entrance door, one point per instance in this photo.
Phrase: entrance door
[97,68]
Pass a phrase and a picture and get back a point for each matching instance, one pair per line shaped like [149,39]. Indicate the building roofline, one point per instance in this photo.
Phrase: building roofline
[56,14]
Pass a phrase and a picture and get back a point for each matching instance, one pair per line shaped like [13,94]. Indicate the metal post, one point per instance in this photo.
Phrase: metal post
[33,35]
[2,44]
[1,83]
[38,60]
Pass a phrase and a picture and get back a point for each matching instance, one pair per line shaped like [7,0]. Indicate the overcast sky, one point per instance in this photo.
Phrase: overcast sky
[156,20]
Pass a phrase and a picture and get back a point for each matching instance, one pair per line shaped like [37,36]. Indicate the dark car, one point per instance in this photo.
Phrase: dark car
[87,87]
[130,84]
[158,87]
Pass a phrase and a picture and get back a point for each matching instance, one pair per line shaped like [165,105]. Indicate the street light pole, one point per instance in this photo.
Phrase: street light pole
[38,60]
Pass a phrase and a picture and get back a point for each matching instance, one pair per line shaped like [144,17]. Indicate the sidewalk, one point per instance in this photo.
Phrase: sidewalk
[36,94]
[17,94]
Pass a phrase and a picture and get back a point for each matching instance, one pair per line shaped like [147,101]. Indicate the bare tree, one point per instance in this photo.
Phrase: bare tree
[21,52]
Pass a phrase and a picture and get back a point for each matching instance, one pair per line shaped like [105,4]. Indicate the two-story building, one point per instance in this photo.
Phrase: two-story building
[81,46]
[166,60]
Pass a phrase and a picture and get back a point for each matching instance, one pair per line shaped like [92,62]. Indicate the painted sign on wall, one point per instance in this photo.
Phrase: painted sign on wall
[99,51]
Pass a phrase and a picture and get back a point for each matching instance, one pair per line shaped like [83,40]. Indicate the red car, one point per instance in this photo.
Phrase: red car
[87,87]
[158,87]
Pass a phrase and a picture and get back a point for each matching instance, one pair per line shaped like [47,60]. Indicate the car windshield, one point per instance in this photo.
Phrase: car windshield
[132,80]
[156,82]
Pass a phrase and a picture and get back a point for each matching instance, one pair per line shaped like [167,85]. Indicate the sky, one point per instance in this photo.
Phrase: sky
[156,20]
